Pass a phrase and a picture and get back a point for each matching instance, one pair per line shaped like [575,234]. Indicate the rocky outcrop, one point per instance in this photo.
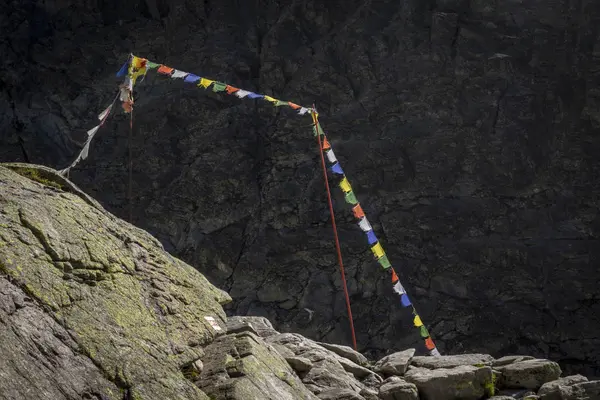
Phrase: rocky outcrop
[468,130]
[92,307]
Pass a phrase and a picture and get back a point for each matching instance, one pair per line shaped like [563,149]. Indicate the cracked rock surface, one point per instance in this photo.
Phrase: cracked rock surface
[469,130]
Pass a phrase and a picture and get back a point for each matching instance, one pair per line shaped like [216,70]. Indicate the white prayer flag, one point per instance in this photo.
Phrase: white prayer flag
[93,131]
[331,156]
[303,111]
[178,74]
[365,225]
[104,113]
[242,93]
[398,288]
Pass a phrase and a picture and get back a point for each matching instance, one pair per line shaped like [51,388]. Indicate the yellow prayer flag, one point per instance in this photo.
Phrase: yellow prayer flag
[377,250]
[417,321]
[272,100]
[205,83]
[345,185]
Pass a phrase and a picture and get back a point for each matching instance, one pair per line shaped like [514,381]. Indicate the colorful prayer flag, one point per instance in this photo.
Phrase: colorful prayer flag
[405,300]
[345,185]
[351,198]
[371,237]
[357,210]
[93,131]
[152,65]
[326,144]
[253,95]
[337,169]
[417,321]
[281,103]
[205,83]
[398,288]
[269,98]
[331,156]
[123,69]
[138,62]
[424,332]
[231,89]
[434,352]
[191,78]
[377,250]
[178,74]
[303,110]
[163,69]
[365,225]
[384,262]
[219,87]
[242,93]
[104,113]
[395,277]
[293,105]
[429,344]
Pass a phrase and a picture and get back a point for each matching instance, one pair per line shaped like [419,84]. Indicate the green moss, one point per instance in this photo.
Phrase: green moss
[34,175]
[490,387]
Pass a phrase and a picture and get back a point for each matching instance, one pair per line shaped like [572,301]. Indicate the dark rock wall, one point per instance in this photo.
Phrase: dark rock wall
[469,130]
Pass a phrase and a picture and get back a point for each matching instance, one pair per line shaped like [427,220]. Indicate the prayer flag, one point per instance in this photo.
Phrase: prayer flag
[405,300]
[357,209]
[104,113]
[384,262]
[272,100]
[371,237]
[138,62]
[294,106]
[345,185]
[351,198]
[326,144]
[398,288]
[429,344]
[417,321]
[280,103]
[253,95]
[365,225]
[123,69]
[434,352]
[219,87]
[191,78]
[178,74]
[336,169]
[424,332]
[163,69]
[377,250]
[331,156]
[395,277]
[152,65]
[93,131]
[205,83]
[231,89]
[242,93]
[303,110]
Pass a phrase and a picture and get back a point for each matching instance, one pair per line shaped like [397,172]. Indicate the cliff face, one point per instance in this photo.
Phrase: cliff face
[469,130]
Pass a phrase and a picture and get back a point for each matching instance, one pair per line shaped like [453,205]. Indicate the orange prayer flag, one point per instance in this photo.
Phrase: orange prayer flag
[294,106]
[231,89]
[394,276]
[358,211]
[326,144]
[429,344]
[163,69]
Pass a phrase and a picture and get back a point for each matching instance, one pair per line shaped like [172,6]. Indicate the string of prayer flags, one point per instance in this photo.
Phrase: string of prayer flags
[219,87]
[366,227]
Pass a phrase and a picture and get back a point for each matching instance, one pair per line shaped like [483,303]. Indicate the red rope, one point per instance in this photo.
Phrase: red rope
[335,233]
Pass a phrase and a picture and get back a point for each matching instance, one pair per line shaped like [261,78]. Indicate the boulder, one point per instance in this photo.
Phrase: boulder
[581,391]
[258,325]
[509,360]
[464,382]
[478,360]
[551,390]
[395,388]
[528,374]
[243,366]
[299,364]
[346,352]
[395,364]
[339,394]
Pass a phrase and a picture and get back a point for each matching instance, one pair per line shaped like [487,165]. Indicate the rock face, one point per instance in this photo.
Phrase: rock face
[468,129]
[92,307]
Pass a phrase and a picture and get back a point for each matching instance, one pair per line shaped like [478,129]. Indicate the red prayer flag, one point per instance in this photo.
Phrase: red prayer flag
[326,144]
[429,344]
[358,211]
[394,276]
[294,106]
[231,89]
[163,69]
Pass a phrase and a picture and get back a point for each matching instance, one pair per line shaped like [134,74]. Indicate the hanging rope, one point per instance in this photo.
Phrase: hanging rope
[335,233]
[129,188]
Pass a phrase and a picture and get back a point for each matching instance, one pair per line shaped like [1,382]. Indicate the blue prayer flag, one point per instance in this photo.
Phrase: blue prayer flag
[123,69]
[337,169]
[405,300]
[191,78]
[371,236]
[253,95]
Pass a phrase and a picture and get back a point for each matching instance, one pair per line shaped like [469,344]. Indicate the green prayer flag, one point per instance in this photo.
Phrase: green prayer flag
[384,262]
[281,103]
[219,87]
[318,129]
[424,332]
[150,65]
[351,198]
